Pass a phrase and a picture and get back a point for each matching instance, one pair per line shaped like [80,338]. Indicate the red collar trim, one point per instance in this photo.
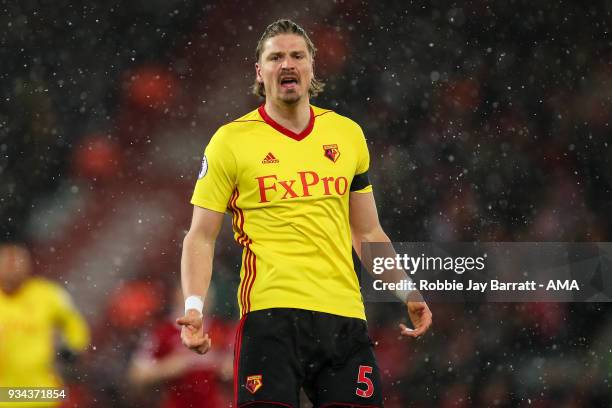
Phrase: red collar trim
[284,130]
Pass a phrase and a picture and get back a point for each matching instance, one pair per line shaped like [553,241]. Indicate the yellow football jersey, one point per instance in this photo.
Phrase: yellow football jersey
[289,197]
[28,321]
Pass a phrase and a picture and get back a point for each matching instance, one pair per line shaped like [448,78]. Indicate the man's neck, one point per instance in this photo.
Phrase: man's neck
[294,117]
[10,290]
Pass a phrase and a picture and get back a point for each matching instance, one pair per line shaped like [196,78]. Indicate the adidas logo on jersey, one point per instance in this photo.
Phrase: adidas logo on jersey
[269,159]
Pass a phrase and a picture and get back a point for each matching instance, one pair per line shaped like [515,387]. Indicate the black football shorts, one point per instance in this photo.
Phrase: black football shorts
[279,351]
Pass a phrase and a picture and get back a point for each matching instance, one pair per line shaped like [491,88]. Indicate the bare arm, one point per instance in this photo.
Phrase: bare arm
[145,371]
[198,251]
[196,272]
[365,227]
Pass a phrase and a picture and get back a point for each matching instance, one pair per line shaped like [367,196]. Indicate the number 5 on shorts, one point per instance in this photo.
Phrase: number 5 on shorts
[362,379]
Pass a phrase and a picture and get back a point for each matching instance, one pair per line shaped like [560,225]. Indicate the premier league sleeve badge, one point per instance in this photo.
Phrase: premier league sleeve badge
[204,168]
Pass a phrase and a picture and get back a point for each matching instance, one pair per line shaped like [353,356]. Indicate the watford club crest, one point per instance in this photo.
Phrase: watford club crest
[254,383]
[331,152]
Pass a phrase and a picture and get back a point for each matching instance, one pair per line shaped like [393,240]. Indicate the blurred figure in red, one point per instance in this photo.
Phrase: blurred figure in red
[189,381]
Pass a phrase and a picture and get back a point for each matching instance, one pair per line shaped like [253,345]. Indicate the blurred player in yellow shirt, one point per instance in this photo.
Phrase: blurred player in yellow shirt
[32,309]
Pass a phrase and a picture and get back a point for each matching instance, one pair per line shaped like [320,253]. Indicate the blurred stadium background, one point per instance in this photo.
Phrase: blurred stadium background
[486,120]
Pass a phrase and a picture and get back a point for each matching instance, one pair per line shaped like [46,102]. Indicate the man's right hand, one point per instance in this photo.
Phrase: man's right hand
[192,332]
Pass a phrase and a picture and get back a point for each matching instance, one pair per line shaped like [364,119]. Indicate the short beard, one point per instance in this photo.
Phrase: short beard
[290,99]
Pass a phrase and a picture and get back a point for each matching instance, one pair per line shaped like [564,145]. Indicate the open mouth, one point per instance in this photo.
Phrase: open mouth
[288,82]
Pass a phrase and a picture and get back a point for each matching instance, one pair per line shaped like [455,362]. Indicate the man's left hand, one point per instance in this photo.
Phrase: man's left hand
[421,318]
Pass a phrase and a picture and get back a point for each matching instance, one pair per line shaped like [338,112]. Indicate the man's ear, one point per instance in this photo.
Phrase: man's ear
[258,73]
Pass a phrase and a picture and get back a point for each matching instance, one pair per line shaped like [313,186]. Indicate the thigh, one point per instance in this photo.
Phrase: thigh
[357,383]
[349,376]
[266,371]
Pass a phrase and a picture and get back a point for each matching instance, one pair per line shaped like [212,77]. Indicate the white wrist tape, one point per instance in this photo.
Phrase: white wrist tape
[194,302]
